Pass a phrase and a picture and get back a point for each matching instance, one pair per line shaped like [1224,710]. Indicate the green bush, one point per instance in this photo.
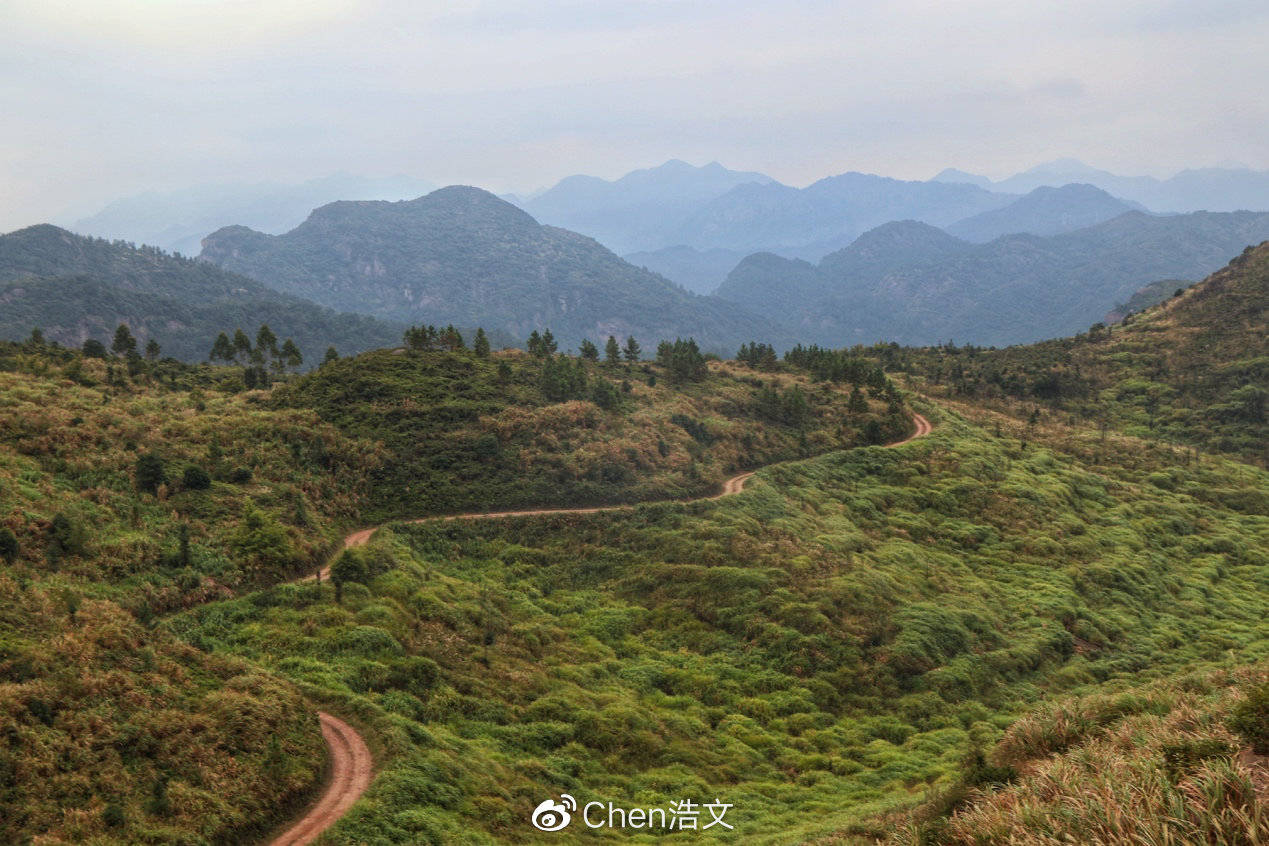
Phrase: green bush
[1251,717]
[195,478]
[150,473]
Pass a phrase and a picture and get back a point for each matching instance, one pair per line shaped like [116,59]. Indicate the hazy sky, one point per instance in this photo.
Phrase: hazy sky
[102,99]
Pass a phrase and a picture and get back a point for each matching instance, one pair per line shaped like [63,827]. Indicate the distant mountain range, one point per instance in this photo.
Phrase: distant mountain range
[694,224]
[1202,189]
[177,221]
[74,288]
[916,284]
[1044,211]
[644,209]
[851,258]
[461,255]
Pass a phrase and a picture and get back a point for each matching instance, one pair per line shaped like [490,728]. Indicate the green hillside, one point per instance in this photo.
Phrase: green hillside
[1192,371]
[74,288]
[466,433]
[122,499]
[919,642]
[819,650]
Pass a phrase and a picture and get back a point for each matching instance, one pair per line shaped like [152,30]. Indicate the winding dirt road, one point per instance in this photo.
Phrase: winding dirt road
[734,485]
[352,764]
[351,767]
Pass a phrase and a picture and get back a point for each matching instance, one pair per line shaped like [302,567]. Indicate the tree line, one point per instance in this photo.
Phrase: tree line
[262,361]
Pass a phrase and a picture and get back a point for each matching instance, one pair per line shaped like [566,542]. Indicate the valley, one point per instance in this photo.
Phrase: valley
[630,580]
[538,424]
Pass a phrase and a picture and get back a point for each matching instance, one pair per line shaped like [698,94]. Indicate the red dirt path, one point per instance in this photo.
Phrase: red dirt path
[352,764]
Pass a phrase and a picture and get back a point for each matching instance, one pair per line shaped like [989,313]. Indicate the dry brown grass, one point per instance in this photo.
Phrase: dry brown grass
[1155,767]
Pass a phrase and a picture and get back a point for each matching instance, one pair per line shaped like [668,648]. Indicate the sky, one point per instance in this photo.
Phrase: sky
[106,99]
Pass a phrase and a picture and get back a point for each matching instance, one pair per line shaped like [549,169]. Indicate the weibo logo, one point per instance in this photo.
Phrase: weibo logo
[552,815]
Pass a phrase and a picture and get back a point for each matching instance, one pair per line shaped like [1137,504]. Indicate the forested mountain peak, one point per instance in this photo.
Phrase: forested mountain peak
[461,255]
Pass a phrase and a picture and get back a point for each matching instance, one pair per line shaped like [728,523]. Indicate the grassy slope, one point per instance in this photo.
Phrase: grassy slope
[97,708]
[817,650]
[1154,763]
[82,661]
[460,438]
[820,650]
[1194,370]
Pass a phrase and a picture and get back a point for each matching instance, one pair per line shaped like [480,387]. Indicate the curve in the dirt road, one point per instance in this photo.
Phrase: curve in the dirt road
[351,767]
[734,485]
[352,764]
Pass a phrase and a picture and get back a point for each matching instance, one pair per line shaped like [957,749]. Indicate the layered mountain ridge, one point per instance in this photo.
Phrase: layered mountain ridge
[461,255]
[74,288]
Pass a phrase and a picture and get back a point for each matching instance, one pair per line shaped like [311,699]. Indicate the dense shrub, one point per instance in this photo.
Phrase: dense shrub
[195,478]
[1251,717]
[150,473]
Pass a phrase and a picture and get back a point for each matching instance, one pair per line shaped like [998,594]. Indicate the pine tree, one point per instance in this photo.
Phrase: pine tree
[222,349]
[588,350]
[241,347]
[549,346]
[291,354]
[451,340]
[266,341]
[420,338]
[535,344]
[37,337]
[153,350]
[612,351]
[632,350]
[480,345]
[331,355]
[124,344]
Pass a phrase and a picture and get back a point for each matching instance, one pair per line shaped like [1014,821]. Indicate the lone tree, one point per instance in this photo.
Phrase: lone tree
[348,567]
[153,350]
[632,350]
[332,354]
[588,350]
[612,351]
[94,349]
[124,344]
[480,345]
